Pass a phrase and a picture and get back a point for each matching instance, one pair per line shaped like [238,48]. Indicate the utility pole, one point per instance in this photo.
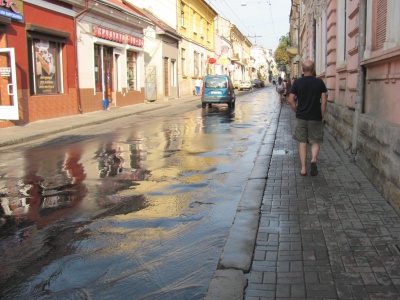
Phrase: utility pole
[255,37]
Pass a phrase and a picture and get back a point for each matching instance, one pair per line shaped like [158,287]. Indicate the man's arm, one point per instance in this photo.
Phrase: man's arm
[291,102]
[324,104]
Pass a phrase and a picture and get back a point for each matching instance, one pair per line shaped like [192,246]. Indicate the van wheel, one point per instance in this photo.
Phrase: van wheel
[209,104]
[203,105]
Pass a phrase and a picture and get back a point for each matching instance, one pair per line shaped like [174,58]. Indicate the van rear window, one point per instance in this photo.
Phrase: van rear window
[219,83]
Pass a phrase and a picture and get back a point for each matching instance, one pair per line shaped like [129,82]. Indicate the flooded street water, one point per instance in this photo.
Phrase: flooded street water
[137,208]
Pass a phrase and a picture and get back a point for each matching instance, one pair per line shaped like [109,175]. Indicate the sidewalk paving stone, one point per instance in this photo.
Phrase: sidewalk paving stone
[332,236]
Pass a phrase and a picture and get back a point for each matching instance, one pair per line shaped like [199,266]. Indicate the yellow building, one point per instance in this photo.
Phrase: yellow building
[195,23]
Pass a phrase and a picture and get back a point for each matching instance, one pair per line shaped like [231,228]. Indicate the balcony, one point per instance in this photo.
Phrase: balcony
[235,57]
[292,51]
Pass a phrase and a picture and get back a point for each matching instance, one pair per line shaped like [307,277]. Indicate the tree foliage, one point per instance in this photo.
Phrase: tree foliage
[280,55]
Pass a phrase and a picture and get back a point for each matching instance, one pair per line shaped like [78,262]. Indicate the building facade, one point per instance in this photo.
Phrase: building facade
[161,59]
[60,58]
[357,54]
[110,54]
[247,59]
[37,62]
[224,64]
[196,26]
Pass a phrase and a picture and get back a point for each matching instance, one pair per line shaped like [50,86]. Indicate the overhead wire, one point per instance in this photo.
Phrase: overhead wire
[268,26]
[272,19]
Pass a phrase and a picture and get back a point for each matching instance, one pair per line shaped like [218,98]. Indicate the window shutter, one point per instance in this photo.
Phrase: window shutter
[381,14]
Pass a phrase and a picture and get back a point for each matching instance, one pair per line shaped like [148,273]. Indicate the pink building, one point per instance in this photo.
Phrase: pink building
[356,47]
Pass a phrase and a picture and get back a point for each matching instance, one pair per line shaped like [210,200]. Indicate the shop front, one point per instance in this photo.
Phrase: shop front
[36,78]
[110,59]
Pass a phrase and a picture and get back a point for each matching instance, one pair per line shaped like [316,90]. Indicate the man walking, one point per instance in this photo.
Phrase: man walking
[312,99]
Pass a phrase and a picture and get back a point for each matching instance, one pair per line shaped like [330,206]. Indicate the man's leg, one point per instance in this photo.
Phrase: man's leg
[314,152]
[303,157]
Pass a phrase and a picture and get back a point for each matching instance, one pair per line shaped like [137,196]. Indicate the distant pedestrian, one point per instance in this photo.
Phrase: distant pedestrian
[197,83]
[312,99]
[288,86]
[280,88]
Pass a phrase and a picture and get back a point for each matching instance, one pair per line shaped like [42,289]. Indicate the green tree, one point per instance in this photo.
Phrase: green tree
[280,55]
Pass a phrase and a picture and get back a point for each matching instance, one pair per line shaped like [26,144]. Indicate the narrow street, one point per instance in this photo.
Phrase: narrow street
[138,207]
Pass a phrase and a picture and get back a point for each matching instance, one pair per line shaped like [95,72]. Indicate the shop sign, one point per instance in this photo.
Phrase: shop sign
[224,60]
[11,9]
[5,71]
[108,34]
[135,41]
[115,36]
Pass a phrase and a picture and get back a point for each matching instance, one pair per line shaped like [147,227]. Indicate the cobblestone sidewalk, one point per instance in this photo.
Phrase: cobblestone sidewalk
[332,236]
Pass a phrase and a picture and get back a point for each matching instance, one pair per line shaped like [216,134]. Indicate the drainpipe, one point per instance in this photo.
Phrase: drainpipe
[76,55]
[361,73]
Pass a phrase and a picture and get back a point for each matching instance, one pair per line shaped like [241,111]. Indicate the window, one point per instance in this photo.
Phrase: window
[183,62]
[196,64]
[382,26]
[208,32]
[321,42]
[46,66]
[342,32]
[182,14]
[194,23]
[216,82]
[202,64]
[97,69]
[131,58]
[380,21]
[201,26]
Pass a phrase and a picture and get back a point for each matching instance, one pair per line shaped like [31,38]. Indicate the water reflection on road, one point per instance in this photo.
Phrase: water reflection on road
[140,212]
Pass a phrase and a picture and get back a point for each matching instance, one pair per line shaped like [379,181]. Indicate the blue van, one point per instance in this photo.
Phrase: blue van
[217,89]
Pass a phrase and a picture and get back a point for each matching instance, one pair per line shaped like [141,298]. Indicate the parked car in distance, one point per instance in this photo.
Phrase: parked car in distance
[245,85]
[258,83]
[217,89]
[236,84]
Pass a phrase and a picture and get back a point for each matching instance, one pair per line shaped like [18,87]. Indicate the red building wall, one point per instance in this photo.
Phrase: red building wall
[40,107]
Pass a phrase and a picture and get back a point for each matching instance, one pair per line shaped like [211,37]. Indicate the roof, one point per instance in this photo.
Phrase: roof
[168,30]
[126,8]
[158,22]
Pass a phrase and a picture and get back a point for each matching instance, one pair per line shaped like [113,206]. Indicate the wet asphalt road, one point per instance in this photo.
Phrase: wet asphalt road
[135,208]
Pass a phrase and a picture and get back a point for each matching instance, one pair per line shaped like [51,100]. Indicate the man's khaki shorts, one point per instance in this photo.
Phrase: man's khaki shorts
[310,131]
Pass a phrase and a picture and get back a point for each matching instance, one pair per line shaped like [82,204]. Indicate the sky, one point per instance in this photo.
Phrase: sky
[262,21]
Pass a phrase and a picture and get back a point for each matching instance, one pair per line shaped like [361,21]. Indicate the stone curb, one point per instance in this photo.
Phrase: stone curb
[237,254]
